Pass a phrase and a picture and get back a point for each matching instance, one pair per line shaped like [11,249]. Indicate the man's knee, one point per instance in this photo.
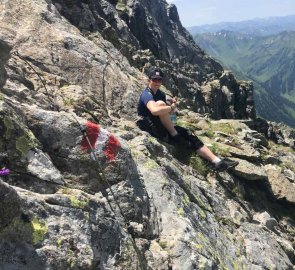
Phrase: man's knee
[165,115]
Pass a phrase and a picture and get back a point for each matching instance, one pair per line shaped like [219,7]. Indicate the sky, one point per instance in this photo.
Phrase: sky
[198,12]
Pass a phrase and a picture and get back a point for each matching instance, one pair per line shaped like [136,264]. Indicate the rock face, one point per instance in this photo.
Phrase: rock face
[277,132]
[138,203]
[91,44]
[4,54]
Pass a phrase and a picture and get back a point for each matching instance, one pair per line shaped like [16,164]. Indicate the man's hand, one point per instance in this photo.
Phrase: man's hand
[170,101]
[173,108]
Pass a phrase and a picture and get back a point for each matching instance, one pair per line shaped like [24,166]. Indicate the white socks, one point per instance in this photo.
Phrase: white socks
[174,133]
[216,160]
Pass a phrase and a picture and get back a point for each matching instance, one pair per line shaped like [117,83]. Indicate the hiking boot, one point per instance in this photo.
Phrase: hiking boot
[226,164]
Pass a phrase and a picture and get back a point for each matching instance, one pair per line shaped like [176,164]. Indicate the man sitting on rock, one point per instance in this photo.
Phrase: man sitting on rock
[155,113]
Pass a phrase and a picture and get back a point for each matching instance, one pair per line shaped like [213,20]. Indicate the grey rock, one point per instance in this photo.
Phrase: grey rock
[263,249]
[237,214]
[4,55]
[281,187]
[290,175]
[278,132]
[9,206]
[287,247]
[204,263]
[21,251]
[265,219]
[255,138]
[40,165]
[221,94]
[272,160]
[243,151]
[249,171]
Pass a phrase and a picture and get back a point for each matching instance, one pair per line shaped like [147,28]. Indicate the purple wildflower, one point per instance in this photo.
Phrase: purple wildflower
[4,172]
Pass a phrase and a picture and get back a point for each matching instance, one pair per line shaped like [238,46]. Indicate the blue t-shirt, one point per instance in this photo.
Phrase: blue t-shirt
[146,96]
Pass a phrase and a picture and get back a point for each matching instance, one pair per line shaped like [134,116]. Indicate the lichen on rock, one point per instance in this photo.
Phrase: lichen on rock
[25,143]
[39,230]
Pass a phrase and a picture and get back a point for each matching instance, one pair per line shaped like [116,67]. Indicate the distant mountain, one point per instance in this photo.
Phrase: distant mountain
[268,61]
[255,27]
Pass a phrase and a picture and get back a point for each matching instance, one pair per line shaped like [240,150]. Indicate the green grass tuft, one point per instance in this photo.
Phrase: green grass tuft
[198,164]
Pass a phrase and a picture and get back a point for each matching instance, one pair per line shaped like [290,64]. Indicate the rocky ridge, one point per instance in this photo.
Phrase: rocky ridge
[154,206]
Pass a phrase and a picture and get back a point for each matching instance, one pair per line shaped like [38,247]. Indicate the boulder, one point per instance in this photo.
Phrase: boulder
[263,250]
[281,186]
[266,220]
[278,132]
[249,171]
[10,205]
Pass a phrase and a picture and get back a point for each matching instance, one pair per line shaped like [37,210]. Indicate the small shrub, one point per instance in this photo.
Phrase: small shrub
[186,124]
[180,212]
[69,102]
[209,133]
[163,244]
[289,165]
[275,148]
[219,151]
[199,165]
[225,128]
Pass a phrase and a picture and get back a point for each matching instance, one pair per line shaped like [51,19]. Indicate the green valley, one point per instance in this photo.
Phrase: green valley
[268,61]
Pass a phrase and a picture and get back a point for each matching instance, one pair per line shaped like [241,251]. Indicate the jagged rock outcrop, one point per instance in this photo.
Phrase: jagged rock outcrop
[226,98]
[147,33]
[154,206]
[277,132]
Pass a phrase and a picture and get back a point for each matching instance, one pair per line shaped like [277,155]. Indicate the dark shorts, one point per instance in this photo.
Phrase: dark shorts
[153,126]
[193,141]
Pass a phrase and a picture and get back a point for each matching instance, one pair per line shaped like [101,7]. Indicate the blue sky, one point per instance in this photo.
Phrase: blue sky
[198,12]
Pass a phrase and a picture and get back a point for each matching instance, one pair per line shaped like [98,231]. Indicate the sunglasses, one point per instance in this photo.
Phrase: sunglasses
[156,80]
